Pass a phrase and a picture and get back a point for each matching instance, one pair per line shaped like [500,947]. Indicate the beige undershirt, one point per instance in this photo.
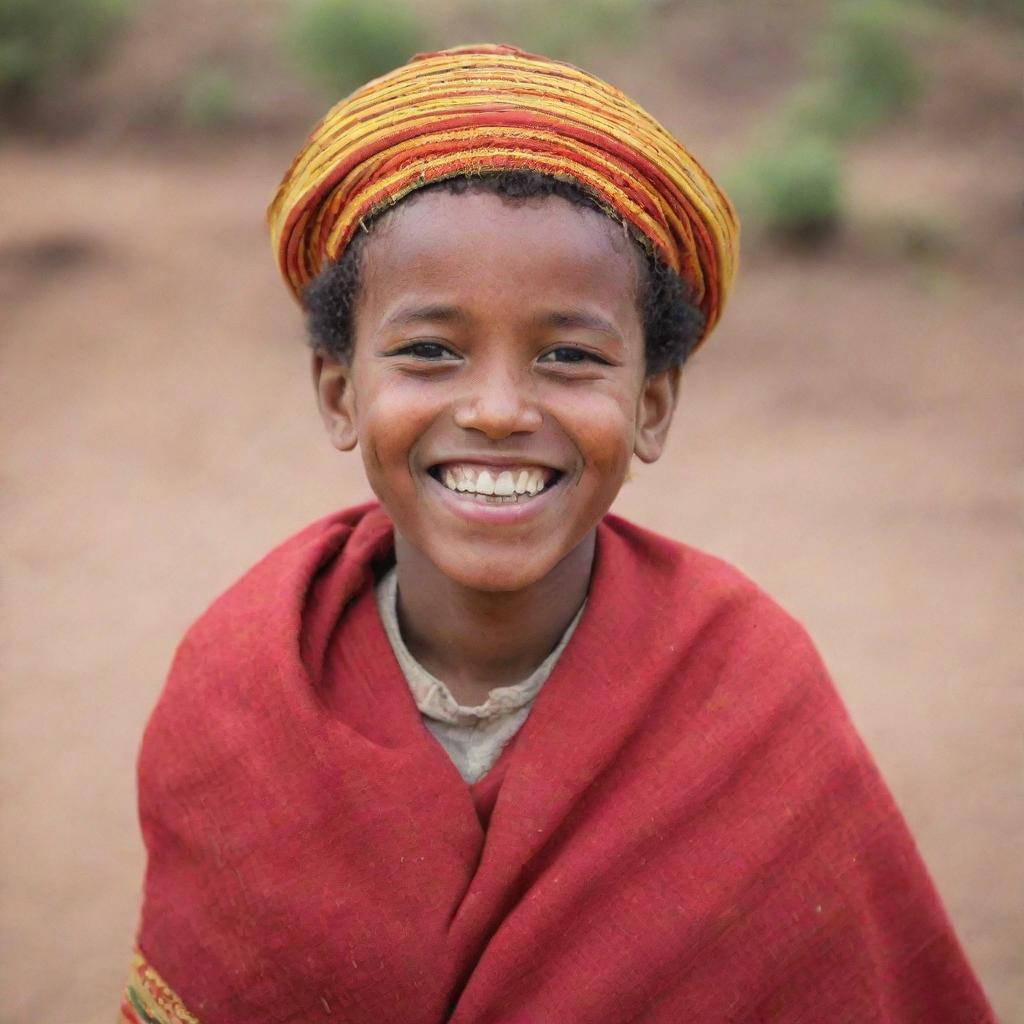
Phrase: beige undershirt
[474,737]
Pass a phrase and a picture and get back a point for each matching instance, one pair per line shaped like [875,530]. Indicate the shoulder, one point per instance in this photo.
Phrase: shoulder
[279,582]
[260,646]
[717,639]
[264,636]
[741,679]
[685,590]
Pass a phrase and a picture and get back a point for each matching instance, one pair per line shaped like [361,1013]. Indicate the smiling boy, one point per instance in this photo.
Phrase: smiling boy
[482,752]
[498,390]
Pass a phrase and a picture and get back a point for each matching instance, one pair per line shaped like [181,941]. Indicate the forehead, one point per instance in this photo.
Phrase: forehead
[481,247]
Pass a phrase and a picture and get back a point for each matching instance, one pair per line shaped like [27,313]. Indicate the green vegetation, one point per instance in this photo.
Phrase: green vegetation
[341,44]
[794,191]
[210,99]
[44,42]
[564,31]
[863,76]
[865,72]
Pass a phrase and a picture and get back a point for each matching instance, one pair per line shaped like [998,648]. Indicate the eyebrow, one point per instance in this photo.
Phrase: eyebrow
[436,313]
[445,313]
[578,318]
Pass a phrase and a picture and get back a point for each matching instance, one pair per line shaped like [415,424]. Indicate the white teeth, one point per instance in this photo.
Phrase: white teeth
[505,484]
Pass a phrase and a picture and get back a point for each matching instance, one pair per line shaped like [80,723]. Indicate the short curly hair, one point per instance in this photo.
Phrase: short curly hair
[672,324]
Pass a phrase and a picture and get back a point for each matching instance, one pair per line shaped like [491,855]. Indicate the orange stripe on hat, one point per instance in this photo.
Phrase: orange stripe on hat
[481,109]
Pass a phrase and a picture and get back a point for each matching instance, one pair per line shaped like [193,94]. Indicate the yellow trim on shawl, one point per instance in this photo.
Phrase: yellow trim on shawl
[148,999]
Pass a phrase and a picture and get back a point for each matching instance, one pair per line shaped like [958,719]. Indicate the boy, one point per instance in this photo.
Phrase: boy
[483,753]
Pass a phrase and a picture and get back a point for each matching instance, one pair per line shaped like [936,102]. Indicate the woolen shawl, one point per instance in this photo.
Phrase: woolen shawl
[687,827]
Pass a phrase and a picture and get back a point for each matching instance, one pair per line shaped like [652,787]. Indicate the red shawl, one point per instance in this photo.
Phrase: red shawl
[687,827]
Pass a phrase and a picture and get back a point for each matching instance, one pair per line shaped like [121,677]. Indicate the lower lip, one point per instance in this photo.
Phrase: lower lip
[510,512]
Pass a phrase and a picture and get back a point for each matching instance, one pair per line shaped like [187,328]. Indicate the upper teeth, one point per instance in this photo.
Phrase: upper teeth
[525,480]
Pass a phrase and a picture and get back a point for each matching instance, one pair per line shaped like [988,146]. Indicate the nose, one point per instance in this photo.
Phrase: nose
[498,402]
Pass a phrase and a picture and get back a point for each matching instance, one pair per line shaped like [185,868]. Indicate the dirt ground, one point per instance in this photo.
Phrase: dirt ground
[853,438]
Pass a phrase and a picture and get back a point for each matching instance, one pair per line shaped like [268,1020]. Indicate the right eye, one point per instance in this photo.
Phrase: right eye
[430,351]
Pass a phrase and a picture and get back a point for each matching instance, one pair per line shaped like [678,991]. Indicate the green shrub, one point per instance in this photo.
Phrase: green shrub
[343,43]
[567,30]
[865,72]
[210,99]
[793,191]
[43,42]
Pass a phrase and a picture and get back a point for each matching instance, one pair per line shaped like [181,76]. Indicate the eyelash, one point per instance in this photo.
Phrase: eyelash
[579,355]
[435,351]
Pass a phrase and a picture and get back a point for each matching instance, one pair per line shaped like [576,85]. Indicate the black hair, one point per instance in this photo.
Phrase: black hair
[672,325]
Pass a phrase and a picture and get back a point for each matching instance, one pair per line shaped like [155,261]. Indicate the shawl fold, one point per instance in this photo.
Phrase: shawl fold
[686,828]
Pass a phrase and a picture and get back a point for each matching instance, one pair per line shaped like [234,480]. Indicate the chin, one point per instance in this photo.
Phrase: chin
[496,567]
[496,573]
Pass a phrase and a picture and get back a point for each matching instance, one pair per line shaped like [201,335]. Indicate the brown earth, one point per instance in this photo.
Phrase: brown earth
[852,438]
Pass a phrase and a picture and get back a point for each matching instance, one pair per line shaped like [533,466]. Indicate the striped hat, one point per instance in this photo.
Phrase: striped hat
[483,109]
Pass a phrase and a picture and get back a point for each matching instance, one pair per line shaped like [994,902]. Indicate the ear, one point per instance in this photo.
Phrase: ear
[654,413]
[336,399]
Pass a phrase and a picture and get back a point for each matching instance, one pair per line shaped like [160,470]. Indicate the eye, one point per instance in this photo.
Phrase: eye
[571,354]
[430,351]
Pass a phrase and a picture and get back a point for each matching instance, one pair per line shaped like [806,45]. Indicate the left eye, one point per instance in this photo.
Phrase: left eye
[567,354]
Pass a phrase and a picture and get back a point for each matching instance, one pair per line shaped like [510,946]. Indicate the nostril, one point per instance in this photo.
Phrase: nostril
[497,418]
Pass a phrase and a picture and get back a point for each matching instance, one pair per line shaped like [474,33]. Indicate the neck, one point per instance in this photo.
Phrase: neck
[476,640]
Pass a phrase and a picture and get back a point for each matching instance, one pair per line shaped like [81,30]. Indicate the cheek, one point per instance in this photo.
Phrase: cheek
[392,417]
[603,424]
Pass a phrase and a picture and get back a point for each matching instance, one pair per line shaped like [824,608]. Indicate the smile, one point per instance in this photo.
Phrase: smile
[495,485]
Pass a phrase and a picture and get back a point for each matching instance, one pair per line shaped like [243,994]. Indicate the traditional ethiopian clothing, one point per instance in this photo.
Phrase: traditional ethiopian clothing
[686,828]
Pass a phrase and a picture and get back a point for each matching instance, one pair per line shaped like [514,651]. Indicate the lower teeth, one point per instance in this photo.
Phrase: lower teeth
[495,499]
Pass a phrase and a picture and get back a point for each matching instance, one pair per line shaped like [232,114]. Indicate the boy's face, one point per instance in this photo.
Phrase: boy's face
[497,345]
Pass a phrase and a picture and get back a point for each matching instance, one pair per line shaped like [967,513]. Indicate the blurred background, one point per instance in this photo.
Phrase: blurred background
[852,437]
